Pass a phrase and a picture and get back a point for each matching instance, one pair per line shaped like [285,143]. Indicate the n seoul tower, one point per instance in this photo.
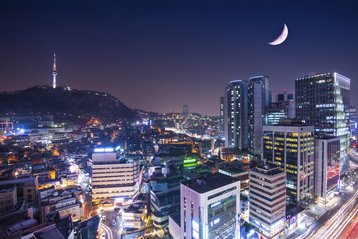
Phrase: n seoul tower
[54,71]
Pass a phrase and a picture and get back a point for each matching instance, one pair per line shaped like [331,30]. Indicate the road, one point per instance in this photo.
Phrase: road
[111,215]
[332,223]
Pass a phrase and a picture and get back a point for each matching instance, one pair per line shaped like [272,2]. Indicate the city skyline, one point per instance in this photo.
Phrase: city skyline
[151,48]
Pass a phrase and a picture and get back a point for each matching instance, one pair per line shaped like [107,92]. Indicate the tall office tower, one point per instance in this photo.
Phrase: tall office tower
[209,207]
[290,145]
[221,115]
[259,100]
[322,100]
[267,198]
[235,114]
[352,118]
[185,110]
[113,179]
[326,166]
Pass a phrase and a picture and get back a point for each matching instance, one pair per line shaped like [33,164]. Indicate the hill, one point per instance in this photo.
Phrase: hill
[62,100]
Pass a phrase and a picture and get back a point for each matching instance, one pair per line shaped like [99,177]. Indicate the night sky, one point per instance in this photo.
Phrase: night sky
[159,55]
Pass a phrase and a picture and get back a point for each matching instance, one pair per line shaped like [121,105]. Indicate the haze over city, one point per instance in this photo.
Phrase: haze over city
[172,53]
[170,119]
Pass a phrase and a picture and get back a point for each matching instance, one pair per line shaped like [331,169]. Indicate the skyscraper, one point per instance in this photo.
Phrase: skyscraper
[353,119]
[259,100]
[185,110]
[322,100]
[221,115]
[235,114]
[54,71]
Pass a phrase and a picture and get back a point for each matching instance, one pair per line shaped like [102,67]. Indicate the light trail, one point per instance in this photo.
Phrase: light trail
[107,230]
[336,221]
[346,222]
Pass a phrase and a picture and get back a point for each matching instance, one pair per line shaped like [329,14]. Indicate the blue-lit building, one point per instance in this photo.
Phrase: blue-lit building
[323,100]
[275,114]
[235,114]
[353,119]
[221,113]
[259,100]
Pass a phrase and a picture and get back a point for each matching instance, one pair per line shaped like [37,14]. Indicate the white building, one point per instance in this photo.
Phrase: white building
[326,168]
[267,200]
[8,198]
[6,124]
[210,207]
[113,179]
[61,202]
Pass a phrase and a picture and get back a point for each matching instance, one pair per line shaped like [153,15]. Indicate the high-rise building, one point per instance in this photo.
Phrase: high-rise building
[185,110]
[235,114]
[326,166]
[352,118]
[113,179]
[322,100]
[221,115]
[259,100]
[209,207]
[267,200]
[290,145]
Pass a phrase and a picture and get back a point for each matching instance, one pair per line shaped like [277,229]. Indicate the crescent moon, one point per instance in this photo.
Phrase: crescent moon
[281,38]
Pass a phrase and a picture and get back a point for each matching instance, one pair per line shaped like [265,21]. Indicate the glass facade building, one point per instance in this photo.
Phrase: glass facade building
[223,210]
[323,100]
[221,113]
[259,100]
[235,114]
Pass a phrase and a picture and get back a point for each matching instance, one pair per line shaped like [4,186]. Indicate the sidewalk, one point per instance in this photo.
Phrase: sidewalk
[311,215]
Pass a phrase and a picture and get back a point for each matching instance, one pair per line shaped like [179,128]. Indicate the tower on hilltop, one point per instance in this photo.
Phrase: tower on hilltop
[54,71]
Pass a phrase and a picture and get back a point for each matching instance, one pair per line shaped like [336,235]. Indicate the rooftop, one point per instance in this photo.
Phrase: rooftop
[49,232]
[292,122]
[233,170]
[268,169]
[208,183]
[6,190]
